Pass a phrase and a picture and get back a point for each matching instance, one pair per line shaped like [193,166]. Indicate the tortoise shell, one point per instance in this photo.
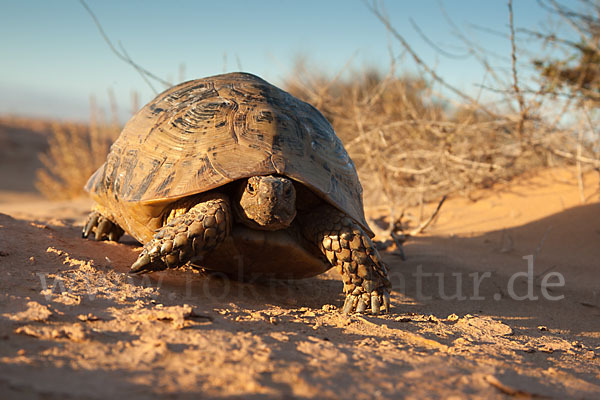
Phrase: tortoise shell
[205,133]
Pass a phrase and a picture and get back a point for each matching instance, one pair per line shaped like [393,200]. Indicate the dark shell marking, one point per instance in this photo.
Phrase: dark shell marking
[203,134]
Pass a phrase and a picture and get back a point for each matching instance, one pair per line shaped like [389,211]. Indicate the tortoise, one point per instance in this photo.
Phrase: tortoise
[233,174]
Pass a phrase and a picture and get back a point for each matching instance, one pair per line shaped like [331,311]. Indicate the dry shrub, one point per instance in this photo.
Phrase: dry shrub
[417,138]
[75,151]
[410,146]
[41,126]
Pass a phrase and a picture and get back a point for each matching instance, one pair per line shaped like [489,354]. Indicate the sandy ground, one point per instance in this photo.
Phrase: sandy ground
[471,318]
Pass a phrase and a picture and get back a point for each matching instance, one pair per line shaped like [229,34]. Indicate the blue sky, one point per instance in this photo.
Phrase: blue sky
[53,58]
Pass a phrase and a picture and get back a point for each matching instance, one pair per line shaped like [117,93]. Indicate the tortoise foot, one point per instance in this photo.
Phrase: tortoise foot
[102,227]
[347,247]
[186,237]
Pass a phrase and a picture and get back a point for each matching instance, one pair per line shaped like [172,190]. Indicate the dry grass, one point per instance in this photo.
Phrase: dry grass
[410,149]
[75,151]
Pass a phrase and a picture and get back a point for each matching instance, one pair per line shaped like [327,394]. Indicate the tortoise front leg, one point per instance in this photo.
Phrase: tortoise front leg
[350,249]
[102,227]
[190,235]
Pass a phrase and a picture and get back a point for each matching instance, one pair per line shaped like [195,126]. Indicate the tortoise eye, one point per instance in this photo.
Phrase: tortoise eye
[250,188]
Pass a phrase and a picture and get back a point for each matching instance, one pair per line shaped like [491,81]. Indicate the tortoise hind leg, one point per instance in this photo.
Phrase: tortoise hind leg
[102,227]
[187,236]
[349,248]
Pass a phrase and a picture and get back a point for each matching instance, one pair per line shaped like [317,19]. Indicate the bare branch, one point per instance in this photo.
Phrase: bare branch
[373,8]
[428,221]
[435,46]
[123,55]
[518,94]
[567,16]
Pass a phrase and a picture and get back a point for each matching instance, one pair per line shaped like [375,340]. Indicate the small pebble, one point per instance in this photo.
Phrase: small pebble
[452,317]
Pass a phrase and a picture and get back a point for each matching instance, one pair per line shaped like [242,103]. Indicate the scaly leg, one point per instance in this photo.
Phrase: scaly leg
[187,236]
[350,249]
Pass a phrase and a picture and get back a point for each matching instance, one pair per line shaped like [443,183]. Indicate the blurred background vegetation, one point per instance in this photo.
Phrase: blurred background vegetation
[414,137]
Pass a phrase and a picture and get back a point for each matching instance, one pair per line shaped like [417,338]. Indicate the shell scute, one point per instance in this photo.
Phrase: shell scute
[203,134]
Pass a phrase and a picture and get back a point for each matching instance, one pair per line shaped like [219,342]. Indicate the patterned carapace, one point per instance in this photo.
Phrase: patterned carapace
[206,133]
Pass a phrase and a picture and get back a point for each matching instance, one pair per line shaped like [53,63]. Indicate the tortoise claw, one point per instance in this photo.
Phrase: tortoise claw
[386,301]
[361,306]
[91,223]
[378,302]
[375,303]
[348,304]
[145,264]
[113,235]
[140,264]
[103,228]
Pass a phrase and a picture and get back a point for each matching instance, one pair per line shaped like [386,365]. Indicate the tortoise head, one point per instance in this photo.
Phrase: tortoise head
[265,202]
